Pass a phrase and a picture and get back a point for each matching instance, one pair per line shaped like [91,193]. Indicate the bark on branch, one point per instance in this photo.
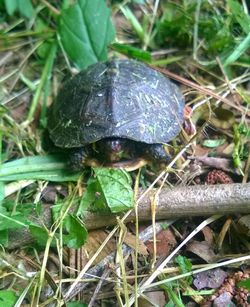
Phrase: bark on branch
[185,201]
[179,202]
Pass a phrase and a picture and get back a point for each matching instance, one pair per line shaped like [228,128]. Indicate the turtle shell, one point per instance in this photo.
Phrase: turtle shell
[117,98]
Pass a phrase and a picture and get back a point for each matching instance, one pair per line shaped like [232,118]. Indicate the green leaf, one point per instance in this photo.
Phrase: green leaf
[93,197]
[86,30]
[7,298]
[116,188]
[2,191]
[244,283]
[77,232]
[4,238]
[11,6]
[185,266]
[184,263]
[41,235]
[44,49]
[108,188]
[238,51]
[24,7]
[174,298]
[170,304]
[51,167]
[48,175]
[10,220]
[213,143]
[243,130]
[238,12]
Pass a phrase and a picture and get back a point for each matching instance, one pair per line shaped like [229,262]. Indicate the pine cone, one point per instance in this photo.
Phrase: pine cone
[218,177]
[241,294]
[229,292]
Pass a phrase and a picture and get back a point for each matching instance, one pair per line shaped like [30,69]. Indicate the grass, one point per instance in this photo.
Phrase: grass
[205,47]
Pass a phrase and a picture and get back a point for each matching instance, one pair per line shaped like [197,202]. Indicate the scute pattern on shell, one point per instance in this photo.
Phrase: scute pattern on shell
[117,98]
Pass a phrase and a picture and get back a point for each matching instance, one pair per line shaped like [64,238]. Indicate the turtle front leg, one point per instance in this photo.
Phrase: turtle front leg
[156,153]
[78,157]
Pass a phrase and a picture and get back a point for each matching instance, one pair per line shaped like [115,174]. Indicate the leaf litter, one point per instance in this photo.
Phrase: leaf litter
[204,44]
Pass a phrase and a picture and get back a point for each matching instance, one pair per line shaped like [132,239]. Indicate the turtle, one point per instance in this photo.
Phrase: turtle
[116,111]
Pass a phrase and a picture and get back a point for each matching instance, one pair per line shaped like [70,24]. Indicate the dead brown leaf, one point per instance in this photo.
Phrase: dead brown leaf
[165,243]
[202,249]
[208,235]
[244,225]
[95,239]
[130,240]
[156,298]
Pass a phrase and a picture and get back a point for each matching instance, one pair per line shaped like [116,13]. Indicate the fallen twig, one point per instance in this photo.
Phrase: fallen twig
[182,201]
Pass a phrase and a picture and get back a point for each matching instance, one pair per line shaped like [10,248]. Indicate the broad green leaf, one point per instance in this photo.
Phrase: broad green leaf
[116,188]
[11,6]
[86,30]
[41,235]
[77,233]
[9,220]
[24,7]
[213,143]
[12,222]
[108,188]
[7,298]
[14,217]
[92,197]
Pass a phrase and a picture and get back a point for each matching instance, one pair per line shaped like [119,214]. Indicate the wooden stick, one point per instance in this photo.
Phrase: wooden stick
[199,200]
[179,202]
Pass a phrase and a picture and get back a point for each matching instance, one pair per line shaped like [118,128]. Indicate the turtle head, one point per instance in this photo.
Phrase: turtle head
[112,149]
